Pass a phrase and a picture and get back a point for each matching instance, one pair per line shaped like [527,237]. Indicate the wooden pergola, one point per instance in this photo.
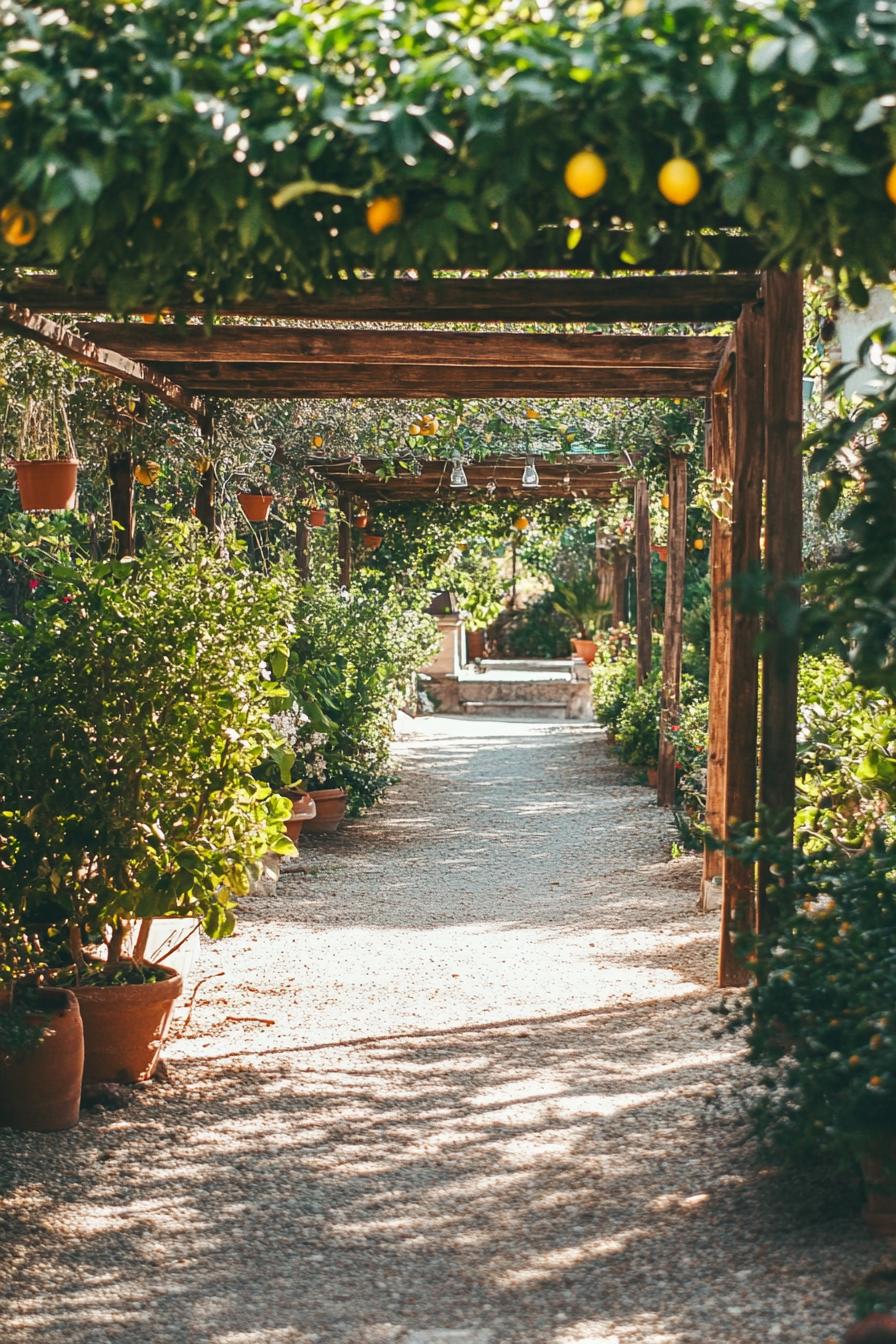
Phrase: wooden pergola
[751,384]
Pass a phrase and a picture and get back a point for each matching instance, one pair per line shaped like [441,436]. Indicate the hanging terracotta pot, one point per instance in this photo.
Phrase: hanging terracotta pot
[47,485]
[330,805]
[255,507]
[304,809]
[361,520]
[586,649]
[125,1026]
[661,552]
[372,541]
[317,517]
[40,1089]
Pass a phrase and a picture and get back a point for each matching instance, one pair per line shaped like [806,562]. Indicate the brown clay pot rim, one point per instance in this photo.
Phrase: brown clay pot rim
[170,988]
[44,461]
[253,494]
[327,793]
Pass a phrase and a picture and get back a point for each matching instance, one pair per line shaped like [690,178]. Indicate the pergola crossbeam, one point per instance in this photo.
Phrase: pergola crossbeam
[22,322]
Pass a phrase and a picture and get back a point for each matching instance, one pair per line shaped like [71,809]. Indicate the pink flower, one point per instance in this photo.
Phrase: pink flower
[34,584]
[66,598]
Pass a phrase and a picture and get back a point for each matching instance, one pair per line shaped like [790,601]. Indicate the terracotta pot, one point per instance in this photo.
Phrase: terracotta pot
[361,520]
[475,644]
[330,807]
[878,1163]
[255,507]
[372,542]
[586,649]
[125,1027]
[652,776]
[47,485]
[317,517]
[304,809]
[41,1089]
[661,552]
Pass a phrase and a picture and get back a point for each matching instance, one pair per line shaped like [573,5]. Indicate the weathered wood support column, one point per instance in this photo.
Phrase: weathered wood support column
[205,503]
[739,796]
[344,540]
[670,694]
[301,549]
[642,580]
[718,462]
[620,579]
[783,314]
[120,467]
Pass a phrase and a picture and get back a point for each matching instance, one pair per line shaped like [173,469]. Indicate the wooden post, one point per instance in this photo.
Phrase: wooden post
[642,580]
[739,799]
[120,467]
[205,503]
[344,540]
[301,549]
[620,578]
[719,465]
[783,313]
[670,695]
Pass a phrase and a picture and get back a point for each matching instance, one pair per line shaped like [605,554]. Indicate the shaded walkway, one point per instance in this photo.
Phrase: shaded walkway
[485,1104]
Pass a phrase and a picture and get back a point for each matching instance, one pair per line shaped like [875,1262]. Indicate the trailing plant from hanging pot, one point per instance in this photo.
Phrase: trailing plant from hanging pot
[135,705]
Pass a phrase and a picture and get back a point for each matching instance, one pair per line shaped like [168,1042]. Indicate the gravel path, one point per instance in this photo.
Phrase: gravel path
[485,1104]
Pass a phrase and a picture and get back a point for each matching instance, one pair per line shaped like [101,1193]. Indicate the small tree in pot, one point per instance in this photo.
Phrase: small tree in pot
[135,701]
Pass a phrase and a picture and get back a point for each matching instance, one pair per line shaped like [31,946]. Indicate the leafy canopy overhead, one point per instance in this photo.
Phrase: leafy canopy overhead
[232,148]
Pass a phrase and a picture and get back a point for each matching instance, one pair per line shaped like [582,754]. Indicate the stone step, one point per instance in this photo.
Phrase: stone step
[512,709]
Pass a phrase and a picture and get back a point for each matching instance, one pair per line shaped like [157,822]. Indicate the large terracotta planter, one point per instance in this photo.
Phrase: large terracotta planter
[330,807]
[47,485]
[586,649]
[304,809]
[125,1027]
[878,1163]
[317,517]
[475,644]
[41,1089]
[371,541]
[255,507]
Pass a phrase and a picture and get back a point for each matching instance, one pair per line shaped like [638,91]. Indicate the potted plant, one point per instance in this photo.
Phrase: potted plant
[255,504]
[576,598]
[41,1039]
[317,516]
[46,466]
[372,541]
[135,707]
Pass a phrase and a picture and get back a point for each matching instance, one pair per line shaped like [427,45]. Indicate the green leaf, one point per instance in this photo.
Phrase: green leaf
[802,53]
[765,52]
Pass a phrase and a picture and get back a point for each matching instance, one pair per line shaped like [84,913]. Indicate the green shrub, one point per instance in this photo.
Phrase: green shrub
[351,666]
[638,727]
[613,682]
[535,630]
[135,701]
[820,1013]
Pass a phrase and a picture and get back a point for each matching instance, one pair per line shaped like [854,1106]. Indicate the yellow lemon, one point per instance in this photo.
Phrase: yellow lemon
[202,465]
[532,414]
[585,173]
[665,501]
[383,212]
[679,181]
[431,427]
[18,225]
[699,544]
[521,524]
[891,184]
[415,430]
[147,473]
[317,441]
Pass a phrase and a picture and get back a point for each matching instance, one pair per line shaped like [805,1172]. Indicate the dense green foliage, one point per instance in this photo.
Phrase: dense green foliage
[230,148]
[134,704]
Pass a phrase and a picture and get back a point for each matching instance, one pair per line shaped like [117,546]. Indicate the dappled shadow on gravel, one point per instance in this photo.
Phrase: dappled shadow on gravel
[456,1073]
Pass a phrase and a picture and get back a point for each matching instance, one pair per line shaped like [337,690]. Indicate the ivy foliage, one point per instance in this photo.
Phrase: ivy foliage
[232,148]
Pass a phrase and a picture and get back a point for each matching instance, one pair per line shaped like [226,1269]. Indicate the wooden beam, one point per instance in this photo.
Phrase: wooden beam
[303,345]
[725,367]
[783,315]
[120,470]
[344,539]
[280,380]
[719,465]
[670,693]
[642,581]
[748,460]
[21,322]
[627,298]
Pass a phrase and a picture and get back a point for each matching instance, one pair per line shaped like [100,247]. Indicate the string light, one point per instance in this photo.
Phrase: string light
[530,475]
[458,475]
